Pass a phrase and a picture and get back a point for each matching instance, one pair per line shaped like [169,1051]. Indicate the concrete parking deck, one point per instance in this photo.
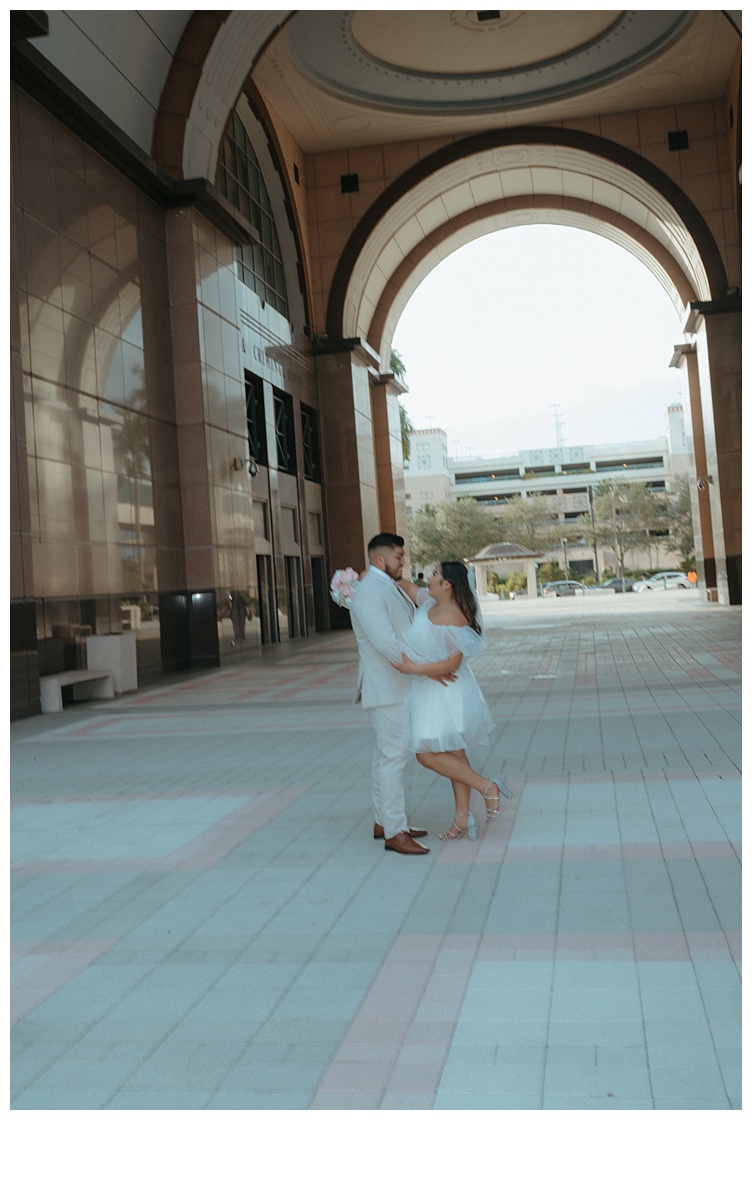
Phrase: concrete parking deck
[202,919]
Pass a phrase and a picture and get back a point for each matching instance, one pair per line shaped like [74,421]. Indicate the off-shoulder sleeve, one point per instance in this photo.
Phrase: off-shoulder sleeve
[463,639]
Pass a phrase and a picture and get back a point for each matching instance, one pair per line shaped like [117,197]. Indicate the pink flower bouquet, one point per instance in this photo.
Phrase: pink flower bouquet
[342,587]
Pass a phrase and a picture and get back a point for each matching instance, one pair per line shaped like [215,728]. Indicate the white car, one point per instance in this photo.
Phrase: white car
[664,579]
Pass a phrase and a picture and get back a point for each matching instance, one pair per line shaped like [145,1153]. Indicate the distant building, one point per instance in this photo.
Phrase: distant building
[428,476]
[568,475]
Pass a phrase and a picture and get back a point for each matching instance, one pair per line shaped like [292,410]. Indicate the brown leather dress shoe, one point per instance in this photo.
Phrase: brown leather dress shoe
[402,843]
[378,832]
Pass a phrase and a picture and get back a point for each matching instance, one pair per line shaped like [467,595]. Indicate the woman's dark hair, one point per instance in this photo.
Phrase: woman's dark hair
[456,574]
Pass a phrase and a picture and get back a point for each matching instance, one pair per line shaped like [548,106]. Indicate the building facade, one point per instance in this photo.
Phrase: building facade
[215,229]
[566,476]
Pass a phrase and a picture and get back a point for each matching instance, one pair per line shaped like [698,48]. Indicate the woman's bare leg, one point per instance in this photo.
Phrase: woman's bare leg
[455,766]
[461,796]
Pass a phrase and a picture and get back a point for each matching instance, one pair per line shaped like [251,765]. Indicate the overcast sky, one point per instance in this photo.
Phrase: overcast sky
[526,318]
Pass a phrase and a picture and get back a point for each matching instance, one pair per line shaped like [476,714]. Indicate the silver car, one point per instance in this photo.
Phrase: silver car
[565,587]
[664,579]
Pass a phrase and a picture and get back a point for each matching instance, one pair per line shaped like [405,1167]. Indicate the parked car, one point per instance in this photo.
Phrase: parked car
[565,587]
[616,584]
[664,579]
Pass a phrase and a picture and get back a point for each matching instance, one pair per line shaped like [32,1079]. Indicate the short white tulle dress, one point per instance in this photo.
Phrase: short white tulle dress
[444,718]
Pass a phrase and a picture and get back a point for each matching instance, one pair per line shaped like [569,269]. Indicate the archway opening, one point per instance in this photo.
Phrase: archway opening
[540,387]
[532,317]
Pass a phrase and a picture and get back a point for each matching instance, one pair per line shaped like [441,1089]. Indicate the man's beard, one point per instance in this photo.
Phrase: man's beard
[393,572]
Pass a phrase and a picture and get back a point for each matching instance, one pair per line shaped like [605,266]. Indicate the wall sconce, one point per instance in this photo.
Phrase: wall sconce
[703,482]
[238,464]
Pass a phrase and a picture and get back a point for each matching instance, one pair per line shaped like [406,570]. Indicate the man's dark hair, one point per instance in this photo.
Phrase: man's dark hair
[385,541]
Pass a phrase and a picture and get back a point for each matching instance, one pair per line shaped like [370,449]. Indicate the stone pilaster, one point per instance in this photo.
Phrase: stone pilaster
[347,450]
[718,329]
[387,442]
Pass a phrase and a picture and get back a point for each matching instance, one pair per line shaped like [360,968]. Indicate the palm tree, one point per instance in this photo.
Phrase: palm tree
[398,370]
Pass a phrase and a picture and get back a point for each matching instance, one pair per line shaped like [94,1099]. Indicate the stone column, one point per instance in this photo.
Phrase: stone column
[387,443]
[347,450]
[686,355]
[188,611]
[719,328]
[24,658]
[481,579]
[532,581]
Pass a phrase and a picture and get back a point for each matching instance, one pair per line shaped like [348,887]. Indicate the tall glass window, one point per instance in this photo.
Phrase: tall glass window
[284,427]
[311,453]
[240,180]
[254,404]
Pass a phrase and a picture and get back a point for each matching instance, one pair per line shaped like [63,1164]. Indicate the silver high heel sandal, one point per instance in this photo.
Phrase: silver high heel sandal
[503,790]
[471,830]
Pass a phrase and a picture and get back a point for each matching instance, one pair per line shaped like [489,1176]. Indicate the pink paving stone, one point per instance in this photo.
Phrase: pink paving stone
[388,1003]
[708,945]
[415,1077]
[362,1052]
[416,946]
[377,1031]
[454,942]
[430,1033]
[200,853]
[438,993]
[656,947]
[407,1100]
[594,941]
[497,946]
[346,1100]
[355,1077]
[57,964]
[402,974]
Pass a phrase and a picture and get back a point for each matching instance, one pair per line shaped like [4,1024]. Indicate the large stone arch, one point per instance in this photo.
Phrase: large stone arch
[212,63]
[494,180]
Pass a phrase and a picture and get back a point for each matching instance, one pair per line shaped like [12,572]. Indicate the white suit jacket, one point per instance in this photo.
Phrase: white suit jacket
[380,613]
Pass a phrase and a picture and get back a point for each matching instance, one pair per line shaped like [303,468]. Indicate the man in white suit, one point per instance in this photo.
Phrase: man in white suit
[381,613]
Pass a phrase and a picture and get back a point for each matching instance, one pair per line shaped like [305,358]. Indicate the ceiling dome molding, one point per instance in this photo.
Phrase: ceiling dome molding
[360,60]
[447,190]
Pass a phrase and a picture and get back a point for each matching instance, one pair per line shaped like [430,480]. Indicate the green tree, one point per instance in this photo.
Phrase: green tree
[451,531]
[625,513]
[399,370]
[549,572]
[397,366]
[406,430]
[681,536]
[530,523]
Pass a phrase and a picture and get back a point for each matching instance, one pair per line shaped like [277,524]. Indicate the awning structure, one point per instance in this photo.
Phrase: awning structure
[506,556]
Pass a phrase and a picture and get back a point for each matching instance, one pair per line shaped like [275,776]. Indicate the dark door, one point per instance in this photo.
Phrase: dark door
[295,598]
[267,607]
[320,595]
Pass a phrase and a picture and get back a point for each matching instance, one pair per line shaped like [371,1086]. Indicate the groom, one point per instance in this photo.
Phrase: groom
[381,613]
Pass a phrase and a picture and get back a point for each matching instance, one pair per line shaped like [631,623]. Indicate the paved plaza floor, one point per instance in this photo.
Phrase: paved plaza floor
[203,920]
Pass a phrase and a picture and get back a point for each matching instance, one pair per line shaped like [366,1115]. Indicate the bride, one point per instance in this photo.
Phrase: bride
[440,723]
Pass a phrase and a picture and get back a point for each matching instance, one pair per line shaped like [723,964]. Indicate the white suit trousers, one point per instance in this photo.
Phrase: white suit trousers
[389,759]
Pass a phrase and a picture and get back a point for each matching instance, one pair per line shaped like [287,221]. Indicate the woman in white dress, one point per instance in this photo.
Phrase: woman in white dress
[442,722]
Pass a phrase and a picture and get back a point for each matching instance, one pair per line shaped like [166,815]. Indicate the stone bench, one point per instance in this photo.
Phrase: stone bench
[87,685]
